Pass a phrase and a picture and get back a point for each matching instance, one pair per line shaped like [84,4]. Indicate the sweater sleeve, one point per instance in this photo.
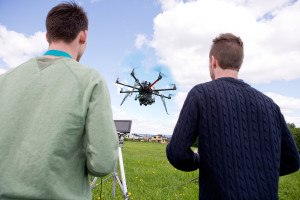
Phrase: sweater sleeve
[101,136]
[289,161]
[179,152]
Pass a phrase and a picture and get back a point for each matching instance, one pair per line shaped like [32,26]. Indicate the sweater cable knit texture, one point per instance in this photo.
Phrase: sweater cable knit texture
[244,144]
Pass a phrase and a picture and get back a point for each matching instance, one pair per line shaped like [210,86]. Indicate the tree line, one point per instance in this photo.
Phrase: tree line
[296,134]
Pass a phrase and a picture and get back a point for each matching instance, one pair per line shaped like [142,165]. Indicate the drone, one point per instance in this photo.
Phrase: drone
[145,91]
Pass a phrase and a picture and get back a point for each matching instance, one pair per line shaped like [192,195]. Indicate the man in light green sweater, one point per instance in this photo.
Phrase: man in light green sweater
[56,123]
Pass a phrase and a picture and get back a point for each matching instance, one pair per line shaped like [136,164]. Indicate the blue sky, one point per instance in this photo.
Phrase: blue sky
[173,36]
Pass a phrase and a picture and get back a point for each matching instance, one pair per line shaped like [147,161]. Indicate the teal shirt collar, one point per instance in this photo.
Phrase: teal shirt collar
[54,52]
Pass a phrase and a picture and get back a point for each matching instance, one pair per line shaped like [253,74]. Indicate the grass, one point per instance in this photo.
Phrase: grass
[289,187]
[150,176]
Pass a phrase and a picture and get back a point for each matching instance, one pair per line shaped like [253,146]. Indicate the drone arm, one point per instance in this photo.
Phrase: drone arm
[136,80]
[129,92]
[162,96]
[133,87]
[167,89]
[158,79]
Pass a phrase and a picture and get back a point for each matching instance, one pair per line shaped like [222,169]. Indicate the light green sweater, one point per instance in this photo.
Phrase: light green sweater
[55,127]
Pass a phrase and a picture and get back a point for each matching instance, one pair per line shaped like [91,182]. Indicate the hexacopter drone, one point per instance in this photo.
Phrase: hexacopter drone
[145,91]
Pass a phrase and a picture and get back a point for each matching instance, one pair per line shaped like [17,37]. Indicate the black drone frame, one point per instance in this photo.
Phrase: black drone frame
[135,89]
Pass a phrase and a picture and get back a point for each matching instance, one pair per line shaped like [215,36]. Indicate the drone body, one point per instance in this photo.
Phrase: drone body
[145,91]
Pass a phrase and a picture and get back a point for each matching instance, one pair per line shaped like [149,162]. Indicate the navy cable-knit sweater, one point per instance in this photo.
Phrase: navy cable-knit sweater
[244,144]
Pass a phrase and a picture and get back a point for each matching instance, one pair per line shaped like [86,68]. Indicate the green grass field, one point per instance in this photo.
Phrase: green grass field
[150,176]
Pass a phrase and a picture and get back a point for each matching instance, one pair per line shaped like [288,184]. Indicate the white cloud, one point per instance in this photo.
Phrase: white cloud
[293,119]
[288,103]
[179,99]
[16,48]
[169,4]
[141,124]
[118,113]
[290,107]
[183,33]
[2,71]
[259,8]
[141,40]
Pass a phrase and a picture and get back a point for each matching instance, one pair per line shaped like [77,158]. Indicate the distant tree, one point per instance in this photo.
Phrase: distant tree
[291,126]
[296,136]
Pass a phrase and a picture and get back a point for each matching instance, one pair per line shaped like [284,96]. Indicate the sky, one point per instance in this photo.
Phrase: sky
[171,36]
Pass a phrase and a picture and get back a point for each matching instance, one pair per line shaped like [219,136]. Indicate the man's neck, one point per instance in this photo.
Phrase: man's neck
[229,73]
[62,46]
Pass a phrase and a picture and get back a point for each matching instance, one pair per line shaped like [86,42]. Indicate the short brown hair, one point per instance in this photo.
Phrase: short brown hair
[65,21]
[228,50]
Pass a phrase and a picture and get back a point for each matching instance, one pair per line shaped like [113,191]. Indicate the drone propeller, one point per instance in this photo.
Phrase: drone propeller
[158,79]
[132,72]
[174,86]
[136,79]
[163,74]
[159,70]
[170,96]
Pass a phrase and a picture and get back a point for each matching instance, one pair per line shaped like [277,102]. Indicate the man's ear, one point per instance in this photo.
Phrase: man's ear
[214,62]
[83,37]
[47,37]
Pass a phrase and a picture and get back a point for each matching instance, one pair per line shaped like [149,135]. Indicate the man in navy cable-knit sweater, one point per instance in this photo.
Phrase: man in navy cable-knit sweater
[244,144]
